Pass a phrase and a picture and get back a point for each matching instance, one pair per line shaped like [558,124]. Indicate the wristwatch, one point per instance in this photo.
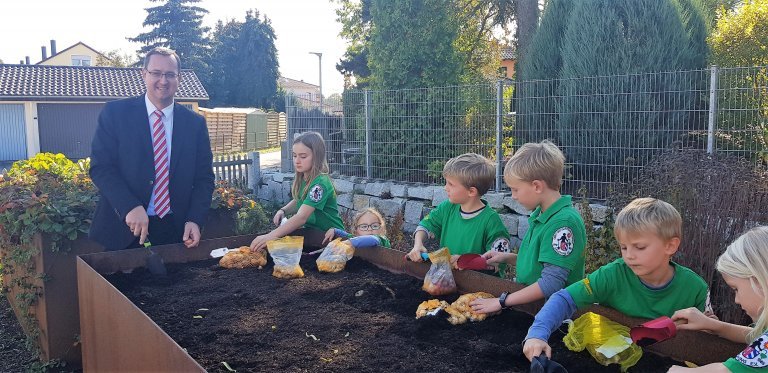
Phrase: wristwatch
[503,299]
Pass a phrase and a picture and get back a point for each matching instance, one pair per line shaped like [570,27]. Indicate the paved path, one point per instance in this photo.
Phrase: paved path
[270,160]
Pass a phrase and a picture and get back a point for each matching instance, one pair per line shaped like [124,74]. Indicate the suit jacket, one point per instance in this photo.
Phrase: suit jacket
[122,167]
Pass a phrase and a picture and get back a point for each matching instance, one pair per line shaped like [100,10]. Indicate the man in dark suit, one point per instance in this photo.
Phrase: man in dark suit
[151,161]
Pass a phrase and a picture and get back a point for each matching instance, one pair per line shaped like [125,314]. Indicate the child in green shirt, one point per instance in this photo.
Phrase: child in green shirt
[643,283]
[464,223]
[551,255]
[370,230]
[744,267]
[314,198]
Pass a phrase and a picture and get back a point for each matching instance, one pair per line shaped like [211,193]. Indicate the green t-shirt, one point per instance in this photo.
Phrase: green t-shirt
[476,235]
[754,358]
[322,197]
[556,236]
[615,285]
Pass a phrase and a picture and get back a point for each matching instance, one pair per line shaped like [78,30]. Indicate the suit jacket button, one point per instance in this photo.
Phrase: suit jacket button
[151,182]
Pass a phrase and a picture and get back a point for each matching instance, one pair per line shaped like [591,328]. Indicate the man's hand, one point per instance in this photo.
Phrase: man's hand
[485,305]
[415,254]
[138,222]
[329,236]
[534,347]
[191,236]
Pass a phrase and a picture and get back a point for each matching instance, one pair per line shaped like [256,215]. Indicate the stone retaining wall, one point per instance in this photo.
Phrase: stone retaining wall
[413,201]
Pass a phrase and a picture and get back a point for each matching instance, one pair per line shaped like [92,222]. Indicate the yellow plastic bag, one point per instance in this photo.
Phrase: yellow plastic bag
[335,256]
[286,253]
[607,341]
[439,279]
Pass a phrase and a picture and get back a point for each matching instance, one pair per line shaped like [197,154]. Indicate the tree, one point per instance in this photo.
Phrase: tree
[116,58]
[244,64]
[741,40]
[527,18]
[598,101]
[177,24]
[355,18]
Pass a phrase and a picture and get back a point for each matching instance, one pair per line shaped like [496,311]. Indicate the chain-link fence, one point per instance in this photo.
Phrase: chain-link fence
[609,127]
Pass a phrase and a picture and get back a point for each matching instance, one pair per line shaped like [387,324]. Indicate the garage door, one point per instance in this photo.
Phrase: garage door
[67,128]
[12,132]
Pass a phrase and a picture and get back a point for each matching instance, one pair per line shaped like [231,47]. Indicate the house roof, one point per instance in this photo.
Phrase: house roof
[508,53]
[68,83]
[293,83]
[72,46]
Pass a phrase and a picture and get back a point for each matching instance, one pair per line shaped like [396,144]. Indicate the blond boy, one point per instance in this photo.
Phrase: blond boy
[464,223]
[644,282]
[551,255]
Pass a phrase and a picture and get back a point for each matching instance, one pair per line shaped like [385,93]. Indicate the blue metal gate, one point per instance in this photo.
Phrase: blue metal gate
[13,135]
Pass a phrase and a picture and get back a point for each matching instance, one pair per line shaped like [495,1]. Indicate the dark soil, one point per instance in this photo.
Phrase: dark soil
[362,320]
[14,355]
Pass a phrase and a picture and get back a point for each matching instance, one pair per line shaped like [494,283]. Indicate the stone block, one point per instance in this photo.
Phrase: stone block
[398,190]
[516,206]
[376,189]
[421,192]
[286,191]
[360,202]
[514,244]
[388,207]
[494,199]
[343,186]
[440,195]
[599,212]
[282,176]
[522,226]
[345,200]
[413,211]
[510,222]
[409,227]
[426,211]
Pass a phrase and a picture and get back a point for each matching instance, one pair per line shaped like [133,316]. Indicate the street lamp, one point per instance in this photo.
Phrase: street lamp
[320,69]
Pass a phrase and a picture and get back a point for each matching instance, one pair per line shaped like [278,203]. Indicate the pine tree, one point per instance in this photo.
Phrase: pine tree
[177,24]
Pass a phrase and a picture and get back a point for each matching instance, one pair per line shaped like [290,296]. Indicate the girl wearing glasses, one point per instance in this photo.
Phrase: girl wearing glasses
[369,230]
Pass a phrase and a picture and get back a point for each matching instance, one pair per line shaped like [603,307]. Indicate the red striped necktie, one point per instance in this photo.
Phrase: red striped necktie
[160,146]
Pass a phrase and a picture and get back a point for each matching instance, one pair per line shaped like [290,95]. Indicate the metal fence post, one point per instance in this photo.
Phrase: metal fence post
[368,135]
[712,109]
[499,130]
[254,172]
[285,145]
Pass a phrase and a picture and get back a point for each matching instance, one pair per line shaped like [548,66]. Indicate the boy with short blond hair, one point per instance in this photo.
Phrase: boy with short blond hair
[551,254]
[643,283]
[464,223]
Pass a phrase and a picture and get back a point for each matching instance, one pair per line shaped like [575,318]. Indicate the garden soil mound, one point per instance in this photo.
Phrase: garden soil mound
[359,320]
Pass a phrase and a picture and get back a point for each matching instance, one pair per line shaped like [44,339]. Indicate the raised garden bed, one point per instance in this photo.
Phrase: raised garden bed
[255,322]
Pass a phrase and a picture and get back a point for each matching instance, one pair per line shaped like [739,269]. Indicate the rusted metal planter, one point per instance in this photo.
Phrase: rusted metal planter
[56,309]
[117,336]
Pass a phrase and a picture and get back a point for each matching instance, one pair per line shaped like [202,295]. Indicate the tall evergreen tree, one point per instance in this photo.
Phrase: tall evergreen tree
[244,64]
[177,24]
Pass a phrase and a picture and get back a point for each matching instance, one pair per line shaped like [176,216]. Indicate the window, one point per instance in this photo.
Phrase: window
[503,72]
[81,60]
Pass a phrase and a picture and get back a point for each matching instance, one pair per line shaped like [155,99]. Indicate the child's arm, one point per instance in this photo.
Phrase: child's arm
[497,257]
[365,241]
[709,368]
[418,244]
[693,319]
[333,233]
[280,214]
[552,279]
[559,307]
[294,223]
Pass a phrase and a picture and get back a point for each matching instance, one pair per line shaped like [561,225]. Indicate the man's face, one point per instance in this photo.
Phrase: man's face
[161,79]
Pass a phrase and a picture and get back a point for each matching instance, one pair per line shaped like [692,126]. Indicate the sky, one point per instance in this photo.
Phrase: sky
[301,26]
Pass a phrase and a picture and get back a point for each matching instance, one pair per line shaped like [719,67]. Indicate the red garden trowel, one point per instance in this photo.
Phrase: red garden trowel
[472,261]
[653,331]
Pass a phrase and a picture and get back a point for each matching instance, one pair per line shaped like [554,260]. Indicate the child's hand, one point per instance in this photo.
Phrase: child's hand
[260,242]
[329,235]
[415,254]
[692,319]
[485,305]
[534,347]
[279,215]
[496,257]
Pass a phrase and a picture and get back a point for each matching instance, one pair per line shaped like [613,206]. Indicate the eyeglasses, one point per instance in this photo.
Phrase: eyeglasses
[368,227]
[160,74]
